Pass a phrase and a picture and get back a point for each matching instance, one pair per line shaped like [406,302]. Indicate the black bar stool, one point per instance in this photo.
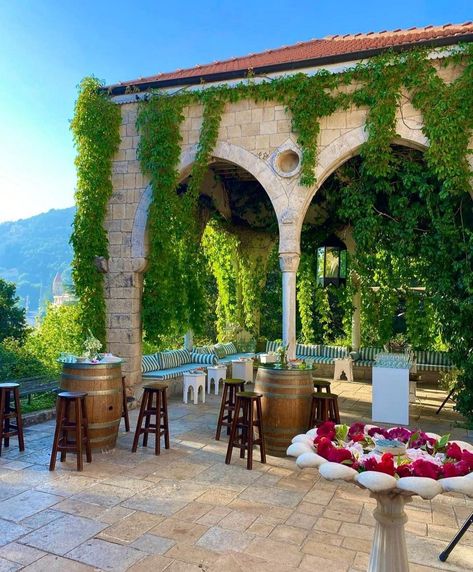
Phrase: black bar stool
[160,412]
[324,408]
[125,405]
[8,411]
[242,434]
[230,388]
[68,421]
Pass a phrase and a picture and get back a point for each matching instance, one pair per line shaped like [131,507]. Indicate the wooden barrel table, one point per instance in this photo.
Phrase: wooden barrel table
[103,384]
[286,402]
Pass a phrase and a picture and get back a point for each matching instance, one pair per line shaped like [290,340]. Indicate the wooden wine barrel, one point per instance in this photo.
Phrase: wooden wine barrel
[103,384]
[286,401]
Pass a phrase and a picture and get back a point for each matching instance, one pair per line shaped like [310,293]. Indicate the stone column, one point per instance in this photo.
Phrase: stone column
[123,290]
[355,321]
[189,340]
[289,262]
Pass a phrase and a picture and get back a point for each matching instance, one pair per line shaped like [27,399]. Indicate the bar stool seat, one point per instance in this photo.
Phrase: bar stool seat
[242,433]
[9,413]
[227,405]
[324,408]
[71,422]
[321,384]
[159,412]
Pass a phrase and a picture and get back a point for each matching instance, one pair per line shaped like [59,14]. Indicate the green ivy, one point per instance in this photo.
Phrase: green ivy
[95,128]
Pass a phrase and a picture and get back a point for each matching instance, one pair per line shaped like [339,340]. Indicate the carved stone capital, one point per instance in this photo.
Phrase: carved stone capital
[139,264]
[101,263]
[289,261]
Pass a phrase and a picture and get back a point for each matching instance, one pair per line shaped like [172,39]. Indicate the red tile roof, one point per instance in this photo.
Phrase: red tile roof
[338,48]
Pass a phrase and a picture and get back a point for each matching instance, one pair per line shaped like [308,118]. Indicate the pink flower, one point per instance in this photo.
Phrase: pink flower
[324,446]
[358,437]
[326,429]
[458,469]
[423,468]
[454,452]
[378,431]
[356,429]
[399,433]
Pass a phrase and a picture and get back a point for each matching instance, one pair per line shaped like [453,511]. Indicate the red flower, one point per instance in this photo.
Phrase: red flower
[423,468]
[339,455]
[454,452]
[358,437]
[468,458]
[404,471]
[326,429]
[386,465]
[455,469]
[324,446]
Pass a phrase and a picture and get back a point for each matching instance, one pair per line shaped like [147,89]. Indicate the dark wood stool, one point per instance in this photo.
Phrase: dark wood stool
[230,388]
[71,422]
[321,384]
[242,433]
[125,405]
[324,408]
[8,411]
[160,412]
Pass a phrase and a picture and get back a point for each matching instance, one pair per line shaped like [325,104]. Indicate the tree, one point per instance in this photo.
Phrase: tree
[12,317]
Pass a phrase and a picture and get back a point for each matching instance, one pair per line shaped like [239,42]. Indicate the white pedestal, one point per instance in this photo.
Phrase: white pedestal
[268,358]
[195,381]
[343,365]
[390,395]
[242,370]
[215,373]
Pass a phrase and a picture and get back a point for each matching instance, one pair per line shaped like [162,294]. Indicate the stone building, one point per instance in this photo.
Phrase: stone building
[258,140]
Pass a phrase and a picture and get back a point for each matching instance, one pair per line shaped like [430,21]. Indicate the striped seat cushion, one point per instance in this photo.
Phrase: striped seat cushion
[273,346]
[209,359]
[220,351]
[433,361]
[174,358]
[333,351]
[229,348]
[171,373]
[203,350]
[308,350]
[149,363]
[368,354]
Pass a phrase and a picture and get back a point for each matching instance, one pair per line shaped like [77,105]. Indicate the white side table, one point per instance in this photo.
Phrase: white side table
[242,370]
[215,373]
[343,365]
[194,381]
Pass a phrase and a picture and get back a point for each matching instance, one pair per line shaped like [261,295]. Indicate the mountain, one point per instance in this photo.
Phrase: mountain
[33,250]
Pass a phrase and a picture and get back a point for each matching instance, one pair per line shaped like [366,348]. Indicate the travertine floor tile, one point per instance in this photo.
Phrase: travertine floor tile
[25,504]
[220,540]
[21,553]
[52,563]
[106,555]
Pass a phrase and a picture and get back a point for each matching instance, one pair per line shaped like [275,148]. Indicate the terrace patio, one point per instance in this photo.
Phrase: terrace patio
[186,510]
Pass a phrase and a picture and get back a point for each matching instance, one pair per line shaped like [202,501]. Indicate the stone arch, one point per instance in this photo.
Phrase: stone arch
[260,170]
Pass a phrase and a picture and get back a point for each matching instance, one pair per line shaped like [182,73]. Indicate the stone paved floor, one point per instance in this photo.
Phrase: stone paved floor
[186,510]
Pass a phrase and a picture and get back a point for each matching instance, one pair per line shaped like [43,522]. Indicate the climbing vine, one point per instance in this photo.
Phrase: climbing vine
[95,129]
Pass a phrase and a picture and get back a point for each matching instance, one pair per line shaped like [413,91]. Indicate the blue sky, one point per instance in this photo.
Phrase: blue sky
[47,46]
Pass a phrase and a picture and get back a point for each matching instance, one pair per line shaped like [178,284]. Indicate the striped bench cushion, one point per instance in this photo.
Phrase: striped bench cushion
[209,359]
[333,351]
[433,358]
[229,348]
[203,350]
[171,373]
[174,358]
[368,353]
[229,359]
[308,350]
[149,363]
[273,346]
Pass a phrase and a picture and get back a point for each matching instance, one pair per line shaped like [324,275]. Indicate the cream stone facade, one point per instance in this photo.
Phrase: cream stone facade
[252,136]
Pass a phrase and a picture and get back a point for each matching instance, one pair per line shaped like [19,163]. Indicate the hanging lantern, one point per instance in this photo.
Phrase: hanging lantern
[332,262]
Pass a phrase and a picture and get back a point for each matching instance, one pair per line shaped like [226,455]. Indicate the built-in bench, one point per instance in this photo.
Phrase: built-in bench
[30,386]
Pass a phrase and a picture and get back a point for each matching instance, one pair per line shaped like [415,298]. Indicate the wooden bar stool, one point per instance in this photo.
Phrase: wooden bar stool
[230,388]
[8,411]
[242,434]
[159,411]
[125,405]
[68,421]
[321,384]
[324,408]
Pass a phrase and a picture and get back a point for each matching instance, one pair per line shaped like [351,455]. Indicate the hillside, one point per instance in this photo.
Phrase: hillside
[33,250]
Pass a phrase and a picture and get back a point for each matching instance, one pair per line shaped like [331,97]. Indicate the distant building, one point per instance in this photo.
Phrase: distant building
[60,294]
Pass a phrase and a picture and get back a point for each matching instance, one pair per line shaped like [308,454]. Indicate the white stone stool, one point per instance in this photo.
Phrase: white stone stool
[242,370]
[215,373]
[343,365]
[194,381]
